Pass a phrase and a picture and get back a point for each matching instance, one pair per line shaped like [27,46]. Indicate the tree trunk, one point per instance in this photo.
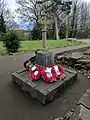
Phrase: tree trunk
[44,33]
[56,28]
[67,26]
[53,32]
[73,20]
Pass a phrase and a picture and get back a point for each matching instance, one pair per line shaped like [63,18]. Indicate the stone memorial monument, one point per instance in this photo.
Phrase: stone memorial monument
[40,90]
[44,92]
[44,58]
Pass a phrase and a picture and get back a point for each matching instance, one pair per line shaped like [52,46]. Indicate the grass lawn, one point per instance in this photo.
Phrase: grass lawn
[33,45]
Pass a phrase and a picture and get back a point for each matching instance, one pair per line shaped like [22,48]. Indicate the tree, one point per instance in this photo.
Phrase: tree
[11,42]
[9,17]
[55,8]
[84,15]
[2,24]
[79,18]
[62,7]
[6,15]
[73,18]
[36,33]
[28,10]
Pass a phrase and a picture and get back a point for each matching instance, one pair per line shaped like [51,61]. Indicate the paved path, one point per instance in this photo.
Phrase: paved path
[84,40]
[15,105]
[58,50]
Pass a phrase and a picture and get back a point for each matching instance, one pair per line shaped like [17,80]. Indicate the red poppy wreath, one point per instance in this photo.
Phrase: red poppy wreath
[48,74]
[26,65]
[59,72]
[35,72]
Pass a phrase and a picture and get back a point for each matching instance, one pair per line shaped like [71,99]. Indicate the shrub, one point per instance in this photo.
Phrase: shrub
[11,42]
[2,36]
[82,33]
[36,34]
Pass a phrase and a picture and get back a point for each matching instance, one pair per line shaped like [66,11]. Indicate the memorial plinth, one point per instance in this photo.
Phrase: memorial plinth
[40,90]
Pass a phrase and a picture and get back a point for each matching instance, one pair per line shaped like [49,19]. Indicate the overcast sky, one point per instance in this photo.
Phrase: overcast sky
[12,4]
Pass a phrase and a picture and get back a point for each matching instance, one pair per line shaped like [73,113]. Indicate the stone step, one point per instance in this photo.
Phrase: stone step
[86,61]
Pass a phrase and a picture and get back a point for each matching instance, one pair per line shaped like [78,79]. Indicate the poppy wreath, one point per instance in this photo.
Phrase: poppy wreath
[59,71]
[48,74]
[35,72]
[25,65]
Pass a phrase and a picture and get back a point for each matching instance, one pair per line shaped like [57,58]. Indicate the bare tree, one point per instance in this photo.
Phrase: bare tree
[10,19]
[84,15]
[7,15]
[28,10]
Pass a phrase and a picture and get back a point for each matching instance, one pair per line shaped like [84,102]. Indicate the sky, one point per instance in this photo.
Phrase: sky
[12,4]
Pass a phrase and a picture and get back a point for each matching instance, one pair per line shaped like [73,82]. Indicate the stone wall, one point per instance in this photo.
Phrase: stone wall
[79,59]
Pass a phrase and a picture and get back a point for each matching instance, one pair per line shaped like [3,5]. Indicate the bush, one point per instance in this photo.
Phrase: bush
[36,34]
[11,42]
[83,33]
[2,35]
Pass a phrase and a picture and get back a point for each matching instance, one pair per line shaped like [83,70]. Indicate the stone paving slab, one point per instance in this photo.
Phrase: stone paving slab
[82,111]
[72,115]
[87,61]
[76,55]
[87,53]
[85,100]
[40,90]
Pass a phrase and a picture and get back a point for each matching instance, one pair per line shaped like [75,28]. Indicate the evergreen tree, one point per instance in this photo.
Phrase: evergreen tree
[2,24]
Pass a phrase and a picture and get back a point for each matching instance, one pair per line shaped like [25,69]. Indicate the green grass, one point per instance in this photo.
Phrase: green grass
[33,45]
[27,46]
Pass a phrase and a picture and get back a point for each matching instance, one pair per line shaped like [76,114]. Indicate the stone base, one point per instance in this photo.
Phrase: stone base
[40,90]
